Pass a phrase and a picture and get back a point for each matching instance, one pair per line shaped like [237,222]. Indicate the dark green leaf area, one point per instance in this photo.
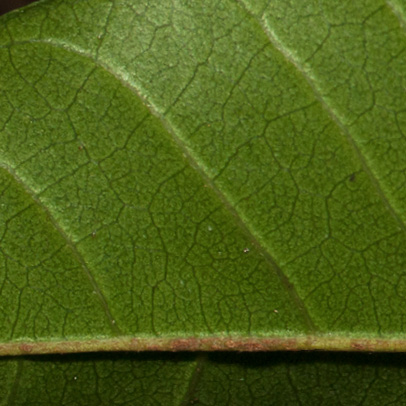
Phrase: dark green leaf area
[96,380]
[224,379]
[303,378]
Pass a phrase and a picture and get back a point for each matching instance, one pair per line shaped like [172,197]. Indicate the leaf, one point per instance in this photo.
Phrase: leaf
[223,379]
[217,175]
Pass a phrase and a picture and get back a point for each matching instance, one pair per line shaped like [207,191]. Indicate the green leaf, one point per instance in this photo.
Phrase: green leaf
[201,176]
[219,379]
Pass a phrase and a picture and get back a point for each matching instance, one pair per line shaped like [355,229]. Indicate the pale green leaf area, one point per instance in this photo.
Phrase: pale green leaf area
[198,171]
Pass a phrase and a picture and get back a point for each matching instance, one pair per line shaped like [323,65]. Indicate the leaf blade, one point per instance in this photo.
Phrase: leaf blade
[306,191]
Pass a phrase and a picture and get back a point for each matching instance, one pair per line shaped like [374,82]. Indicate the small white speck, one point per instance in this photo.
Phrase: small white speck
[75,378]
[276,311]
[246,250]
[113,321]
[210,228]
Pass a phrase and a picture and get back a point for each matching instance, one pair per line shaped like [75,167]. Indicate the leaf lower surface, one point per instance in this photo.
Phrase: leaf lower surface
[190,170]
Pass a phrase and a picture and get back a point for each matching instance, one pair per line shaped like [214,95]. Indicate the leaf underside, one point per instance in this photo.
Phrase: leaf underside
[178,170]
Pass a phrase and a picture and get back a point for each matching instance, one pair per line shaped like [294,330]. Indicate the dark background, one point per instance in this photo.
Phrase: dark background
[8,5]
